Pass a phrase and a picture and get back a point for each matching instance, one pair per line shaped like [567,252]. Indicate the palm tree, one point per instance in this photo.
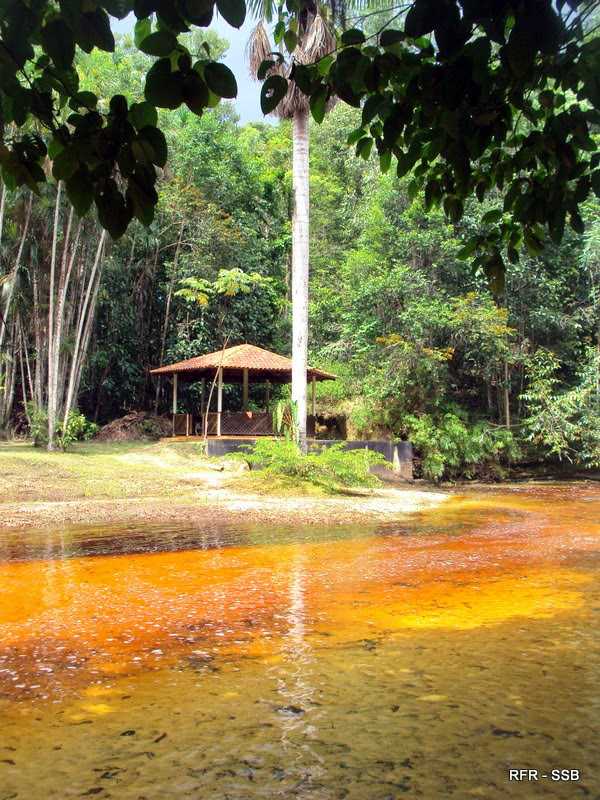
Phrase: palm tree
[315,39]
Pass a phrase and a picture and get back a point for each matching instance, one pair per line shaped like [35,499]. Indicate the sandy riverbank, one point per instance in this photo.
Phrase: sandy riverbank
[131,484]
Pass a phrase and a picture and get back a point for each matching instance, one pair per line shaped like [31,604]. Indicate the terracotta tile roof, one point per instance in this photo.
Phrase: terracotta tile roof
[237,358]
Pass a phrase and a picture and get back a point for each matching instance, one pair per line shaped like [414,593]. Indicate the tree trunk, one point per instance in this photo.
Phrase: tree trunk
[300,267]
[22,350]
[52,377]
[506,396]
[163,338]
[2,207]
[13,282]
[84,323]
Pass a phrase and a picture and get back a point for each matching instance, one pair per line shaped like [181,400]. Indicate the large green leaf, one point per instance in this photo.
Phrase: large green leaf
[274,89]
[57,41]
[80,190]
[495,271]
[163,87]
[195,93]
[234,11]
[93,30]
[142,196]
[65,164]
[118,8]
[198,11]
[422,18]
[113,213]
[318,104]
[220,79]
[141,31]
[155,139]
[353,36]
[160,43]
[142,114]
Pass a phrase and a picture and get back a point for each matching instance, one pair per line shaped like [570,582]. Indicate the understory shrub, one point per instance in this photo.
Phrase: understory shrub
[77,427]
[564,425]
[451,447]
[332,468]
[38,424]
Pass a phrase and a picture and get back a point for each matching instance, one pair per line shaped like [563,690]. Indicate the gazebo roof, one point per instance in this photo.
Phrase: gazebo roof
[262,365]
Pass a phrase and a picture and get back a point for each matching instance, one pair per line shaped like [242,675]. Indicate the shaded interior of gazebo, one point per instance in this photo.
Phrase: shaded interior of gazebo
[243,364]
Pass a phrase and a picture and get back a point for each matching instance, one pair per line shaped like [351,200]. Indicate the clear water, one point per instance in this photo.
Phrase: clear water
[420,659]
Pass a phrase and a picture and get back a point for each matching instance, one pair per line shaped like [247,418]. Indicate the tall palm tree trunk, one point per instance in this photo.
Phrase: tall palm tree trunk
[300,268]
[315,39]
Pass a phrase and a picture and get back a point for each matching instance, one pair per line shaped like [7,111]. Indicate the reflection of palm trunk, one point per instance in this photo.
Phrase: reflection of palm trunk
[295,684]
[300,266]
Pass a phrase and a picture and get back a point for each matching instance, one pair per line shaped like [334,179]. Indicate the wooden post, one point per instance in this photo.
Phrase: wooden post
[202,388]
[219,399]
[268,394]
[174,399]
[314,397]
[245,389]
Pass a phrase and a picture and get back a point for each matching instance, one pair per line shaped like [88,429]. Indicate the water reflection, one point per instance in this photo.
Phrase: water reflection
[420,659]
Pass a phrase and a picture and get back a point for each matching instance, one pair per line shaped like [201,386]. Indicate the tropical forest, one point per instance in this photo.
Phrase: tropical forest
[299,399]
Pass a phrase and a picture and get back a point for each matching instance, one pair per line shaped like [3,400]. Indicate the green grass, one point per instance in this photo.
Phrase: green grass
[93,470]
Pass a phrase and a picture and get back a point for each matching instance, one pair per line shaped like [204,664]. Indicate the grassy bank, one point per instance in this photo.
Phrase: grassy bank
[100,471]
[139,483]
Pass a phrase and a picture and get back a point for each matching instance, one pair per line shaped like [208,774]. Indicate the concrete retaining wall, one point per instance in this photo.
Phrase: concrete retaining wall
[400,454]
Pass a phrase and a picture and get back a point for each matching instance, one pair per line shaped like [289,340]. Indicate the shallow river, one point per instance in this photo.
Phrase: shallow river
[423,658]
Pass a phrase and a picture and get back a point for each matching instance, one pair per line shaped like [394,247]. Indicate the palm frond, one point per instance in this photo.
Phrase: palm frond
[318,40]
[262,9]
[258,48]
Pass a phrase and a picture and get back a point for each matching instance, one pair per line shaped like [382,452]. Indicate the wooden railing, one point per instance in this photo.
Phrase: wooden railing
[233,423]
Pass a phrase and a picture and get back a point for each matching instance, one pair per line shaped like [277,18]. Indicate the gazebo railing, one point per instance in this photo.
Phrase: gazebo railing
[233,423]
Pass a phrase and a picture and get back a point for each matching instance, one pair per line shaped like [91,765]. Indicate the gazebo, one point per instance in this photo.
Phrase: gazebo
[242,364]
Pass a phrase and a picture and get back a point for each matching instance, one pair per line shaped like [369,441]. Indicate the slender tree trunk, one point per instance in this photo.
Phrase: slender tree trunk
[11,288]
[63,314]
[52,377]
[506,396]
[84,323]
[85,341]
[2,207]
[163,338]
[39,375]
[22,350]
[26,356]
[300,267]
[7,388]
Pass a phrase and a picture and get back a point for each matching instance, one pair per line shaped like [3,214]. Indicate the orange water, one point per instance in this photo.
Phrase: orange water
[424,658]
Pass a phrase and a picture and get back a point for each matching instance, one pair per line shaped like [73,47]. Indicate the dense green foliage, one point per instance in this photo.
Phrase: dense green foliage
[331,468]
[414,332]
[444,88]
[452,448]
[565,423]
[422,348]
[107,149]
[473,98]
